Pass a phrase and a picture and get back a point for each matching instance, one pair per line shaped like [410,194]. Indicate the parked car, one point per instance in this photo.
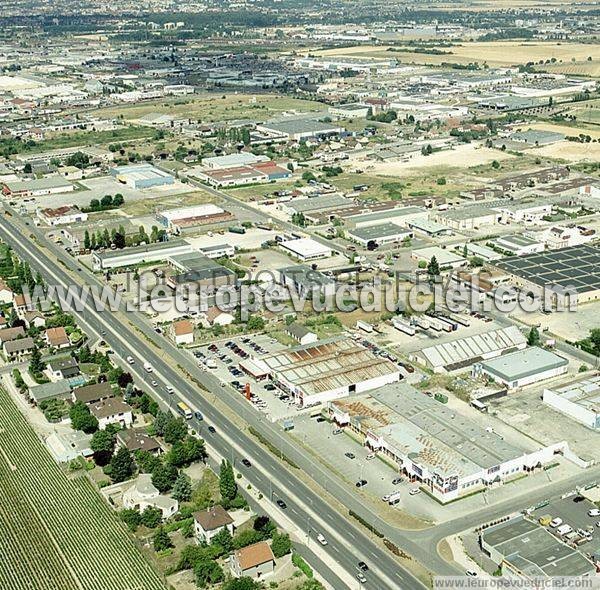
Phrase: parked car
[361,483]
[397,480]
[350,455]
[415,491]
[594,512]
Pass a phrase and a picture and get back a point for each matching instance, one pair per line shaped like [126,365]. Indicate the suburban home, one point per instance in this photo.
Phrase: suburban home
[6,294]
[94,393]
[301,334]
[142,494]
[254,561]
[57,337]
[183,332]
[112,411]
[20,305]
[9,334]
[34,319]
[215,317]
[62,368]
[212,521]
[137,440]
[18,349]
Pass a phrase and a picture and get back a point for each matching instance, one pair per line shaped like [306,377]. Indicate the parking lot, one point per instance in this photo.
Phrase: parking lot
[223,358]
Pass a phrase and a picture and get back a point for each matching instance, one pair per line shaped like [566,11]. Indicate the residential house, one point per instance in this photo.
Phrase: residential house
[57,337]
[92,394]
[112,411]
[255,561]
[9,334]
[215,317]
[18,349]
[212,521]
[20,305]
[142,494]
[6,294]
[62,368]
[34,319]
[183,332]
[137,440]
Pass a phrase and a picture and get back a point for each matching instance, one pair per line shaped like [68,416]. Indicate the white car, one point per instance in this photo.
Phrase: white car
[370,456]
[556,522]
[414,491]
[386,497]
[594,512]
[321,539]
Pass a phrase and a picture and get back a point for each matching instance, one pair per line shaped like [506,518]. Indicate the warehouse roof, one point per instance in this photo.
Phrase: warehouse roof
[327,365]
[382,230]
[49,182]
[385,215]
[302,126]
[306,276]
[534,551]
[584,393]
[319,203]
[464,351]
[523,363]
[142,249]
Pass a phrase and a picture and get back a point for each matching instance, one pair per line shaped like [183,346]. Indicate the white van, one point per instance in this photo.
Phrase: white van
[563,530]
[556,522]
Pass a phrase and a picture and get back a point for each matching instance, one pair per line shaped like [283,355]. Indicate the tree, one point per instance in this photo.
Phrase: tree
[175,430]
[533,339]
[27,168]
[182,488]
[223,539]
[119,241]
[151,517]
[82,419]
[121,465]
[163,477]
[433,268]
[207,572]
[132,518]
[194,450]
[227,485]
[281,544]
[256,322]
[495,164]
[244,583]
[264,525]
[161,540]
[86,240]
[160,423]
[36,366]
[103,445]
[245,538]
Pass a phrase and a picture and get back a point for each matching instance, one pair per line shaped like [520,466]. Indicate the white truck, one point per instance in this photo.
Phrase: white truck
[394,498]
[564,529]
[147,367]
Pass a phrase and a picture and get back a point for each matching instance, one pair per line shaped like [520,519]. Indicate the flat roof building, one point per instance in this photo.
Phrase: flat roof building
[579,400]
[141,176]
[522,367]
[38,187]
[299,129]
[445,258]
[377,235]
[306,249]
[140,254]
[449,454]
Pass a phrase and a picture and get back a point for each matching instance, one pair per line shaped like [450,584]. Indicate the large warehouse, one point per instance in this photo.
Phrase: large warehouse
[522,367]
[140,176]
[524,549]
[306,249]
[449,454]
[372,236]
[579,400]
[463,352]
[327,370]
[177,220]
[139,254]
[573,268]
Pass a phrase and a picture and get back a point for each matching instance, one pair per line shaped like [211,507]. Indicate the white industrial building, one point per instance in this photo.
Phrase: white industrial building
[445,258]
[378,235]
[37,187]
[307,282]
[579,400]
[181,218]
[447,453]
[327,370]
[139,254]
[463,352]
[522,367]
[306,249]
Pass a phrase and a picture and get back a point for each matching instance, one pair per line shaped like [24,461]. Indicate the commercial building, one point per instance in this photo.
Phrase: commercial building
[306,249]
[326,370]
[196,268]
[233,160]
[62,215]
[39,187]
[471,217]
[445,258]
[523,212]
[299,129]
[315,204]
[140,254]
[141,176]
[463,352]
[579,400]
[371,236]
[350,111]
[522,367]
[561,273]
[524,549]
[447,453]
[178,220]
[307,282]
[518,245]
[400,216]
[241,175]
[428,227]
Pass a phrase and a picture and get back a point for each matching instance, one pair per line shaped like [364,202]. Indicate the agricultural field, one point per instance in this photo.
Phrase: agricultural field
[207,109]
[57,532]
[494,53]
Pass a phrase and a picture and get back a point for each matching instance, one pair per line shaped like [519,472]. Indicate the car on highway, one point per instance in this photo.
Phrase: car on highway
[198,416]
[170,389]
[350,455]
[361,483]
[211,429]
[246,463]
[362,566]
[154,383]
[281,504]
[415,491]
[321,539]
[471,573]
[361,578]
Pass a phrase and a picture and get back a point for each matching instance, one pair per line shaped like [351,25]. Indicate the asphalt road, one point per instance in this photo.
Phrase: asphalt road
[306,509]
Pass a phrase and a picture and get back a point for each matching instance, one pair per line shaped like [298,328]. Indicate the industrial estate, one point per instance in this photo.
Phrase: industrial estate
[299,295]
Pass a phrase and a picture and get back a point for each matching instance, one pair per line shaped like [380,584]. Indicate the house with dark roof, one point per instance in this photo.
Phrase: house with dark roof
[91,394]
[137,440]
[301,334]
[18,349]
[112,411]
[210,522]
[62,368]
